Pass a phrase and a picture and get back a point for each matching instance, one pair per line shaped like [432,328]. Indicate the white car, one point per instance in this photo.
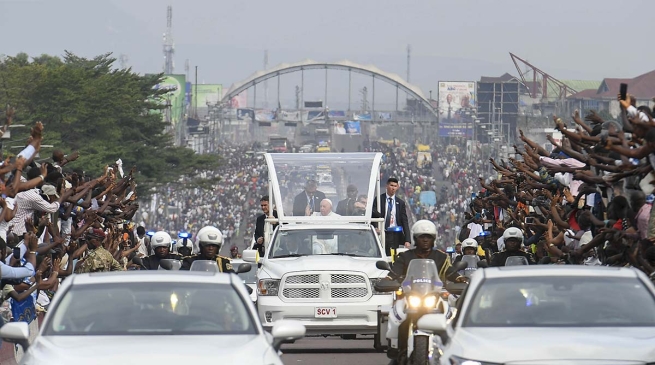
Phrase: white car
[555,315]
[249,278]
[152,317]
[322,274]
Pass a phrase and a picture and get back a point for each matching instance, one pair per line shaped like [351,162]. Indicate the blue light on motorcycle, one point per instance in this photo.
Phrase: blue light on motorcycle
[395,229]
[150,233]
[184,235]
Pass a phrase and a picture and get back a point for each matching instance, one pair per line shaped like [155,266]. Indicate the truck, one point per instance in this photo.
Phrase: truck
[321,269]
[278,144]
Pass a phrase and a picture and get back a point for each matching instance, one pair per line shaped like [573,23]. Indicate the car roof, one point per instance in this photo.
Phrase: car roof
[153,276]
[327,225]
[558,270]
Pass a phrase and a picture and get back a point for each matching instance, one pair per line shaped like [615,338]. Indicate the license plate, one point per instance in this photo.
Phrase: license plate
[325,312]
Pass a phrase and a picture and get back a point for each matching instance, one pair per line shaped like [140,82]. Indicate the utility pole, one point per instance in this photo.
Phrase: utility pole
[297,97]
[169,45]
[409,56]
[364,93]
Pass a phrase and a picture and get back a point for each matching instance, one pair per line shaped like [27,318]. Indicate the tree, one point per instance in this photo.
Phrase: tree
[103,112]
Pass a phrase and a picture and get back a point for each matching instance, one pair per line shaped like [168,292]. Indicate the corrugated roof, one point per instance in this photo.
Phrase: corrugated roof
[642,87]
[577,85]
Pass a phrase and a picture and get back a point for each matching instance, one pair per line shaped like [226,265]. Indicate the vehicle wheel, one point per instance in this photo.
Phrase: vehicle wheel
[421,348]
[348,337]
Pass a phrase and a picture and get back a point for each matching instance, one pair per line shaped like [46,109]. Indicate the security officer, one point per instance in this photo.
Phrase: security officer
[209,240]
[424,234]
[513,241]
[98,259]
[161,244]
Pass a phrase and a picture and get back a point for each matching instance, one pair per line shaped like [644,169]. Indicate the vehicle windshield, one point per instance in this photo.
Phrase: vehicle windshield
[325,241]
[561,301]
[472,265]
[422,277]
[249,277]
[516,261]
[278,142]
[150,308]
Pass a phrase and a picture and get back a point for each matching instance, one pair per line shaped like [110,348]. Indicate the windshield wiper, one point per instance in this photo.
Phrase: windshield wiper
[342,254]
[289,255]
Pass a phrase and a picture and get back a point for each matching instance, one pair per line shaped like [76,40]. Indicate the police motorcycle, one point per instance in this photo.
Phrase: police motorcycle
[516,261]
[418,299]
[473,263]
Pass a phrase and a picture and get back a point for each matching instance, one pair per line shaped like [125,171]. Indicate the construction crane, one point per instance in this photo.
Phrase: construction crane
[538,82]
[169,46]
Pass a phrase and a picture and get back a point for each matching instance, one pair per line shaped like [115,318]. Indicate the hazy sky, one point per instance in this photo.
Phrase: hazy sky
[451,40]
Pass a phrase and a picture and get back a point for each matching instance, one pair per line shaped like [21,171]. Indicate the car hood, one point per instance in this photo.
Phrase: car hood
[276,268]
[161,350]
[555,346]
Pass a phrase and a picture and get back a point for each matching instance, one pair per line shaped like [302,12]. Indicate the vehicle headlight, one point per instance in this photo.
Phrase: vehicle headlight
[414,301]
[430,301]
[268,287]
[375,292]
[454,360]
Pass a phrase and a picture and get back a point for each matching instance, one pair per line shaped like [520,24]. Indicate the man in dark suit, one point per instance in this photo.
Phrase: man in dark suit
[394,211]
[347,207]
[308,201]
[260,223]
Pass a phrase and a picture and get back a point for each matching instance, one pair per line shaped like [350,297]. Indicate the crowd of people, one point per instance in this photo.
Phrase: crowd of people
[588,201]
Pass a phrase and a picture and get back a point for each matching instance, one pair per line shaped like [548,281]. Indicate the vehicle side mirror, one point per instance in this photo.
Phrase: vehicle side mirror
[545,260]
[249,255]
[138,261]
[383,265]
[16,332]
[243,268]
[460,265]
[456,288]
[483,264]
[435,322]
[386,286]
[286,331]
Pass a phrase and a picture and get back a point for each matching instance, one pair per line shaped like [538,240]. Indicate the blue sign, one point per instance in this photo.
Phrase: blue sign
[456,130]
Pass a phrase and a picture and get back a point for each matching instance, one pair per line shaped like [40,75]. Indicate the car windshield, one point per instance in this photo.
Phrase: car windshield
[561,301]
[352,242]
[150,308]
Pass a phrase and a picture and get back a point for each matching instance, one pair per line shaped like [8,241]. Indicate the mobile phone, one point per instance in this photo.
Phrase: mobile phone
[529,220]
[17,253]
[473,195]
[623,91]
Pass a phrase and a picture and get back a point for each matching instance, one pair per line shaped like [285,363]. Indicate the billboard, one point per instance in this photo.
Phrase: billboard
[456,130]
[239,101]
[454,98]
[176,96]
[350,127]
[206,93]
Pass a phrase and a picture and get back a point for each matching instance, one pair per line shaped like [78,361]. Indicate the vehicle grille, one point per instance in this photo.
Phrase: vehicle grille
[294,293]
[349,292]
[345,279]
[303,279]
[326,287]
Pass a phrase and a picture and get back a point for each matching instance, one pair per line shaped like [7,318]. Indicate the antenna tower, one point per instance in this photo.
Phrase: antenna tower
[266,82]
[169,46]
[123,61]
[409,56]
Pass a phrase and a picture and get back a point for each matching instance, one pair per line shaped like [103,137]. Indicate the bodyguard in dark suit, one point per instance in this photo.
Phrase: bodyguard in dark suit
[308,201]
[347,207]
[394,211]
[259,224]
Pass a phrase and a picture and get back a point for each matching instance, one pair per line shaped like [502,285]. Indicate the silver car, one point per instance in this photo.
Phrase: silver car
[152,317]
[552,315]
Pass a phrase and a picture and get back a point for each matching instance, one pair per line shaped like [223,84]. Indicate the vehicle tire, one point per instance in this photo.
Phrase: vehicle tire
[421,348]
[349,337]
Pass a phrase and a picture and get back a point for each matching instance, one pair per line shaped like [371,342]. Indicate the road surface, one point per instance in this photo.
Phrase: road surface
[333,351]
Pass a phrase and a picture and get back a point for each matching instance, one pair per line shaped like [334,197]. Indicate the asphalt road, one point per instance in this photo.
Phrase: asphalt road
[333,351]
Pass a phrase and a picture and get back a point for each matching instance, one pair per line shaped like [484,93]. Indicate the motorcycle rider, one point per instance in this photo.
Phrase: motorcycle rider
[209,240]
[161,244]
[513,238]
[469,247]
[424,234]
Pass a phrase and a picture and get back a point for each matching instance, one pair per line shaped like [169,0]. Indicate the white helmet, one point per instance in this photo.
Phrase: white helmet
[209,235]
[424,226]
[513,232]
[160,239]
[470,242]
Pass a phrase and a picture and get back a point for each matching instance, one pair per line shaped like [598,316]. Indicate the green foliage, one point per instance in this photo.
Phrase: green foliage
[104,113]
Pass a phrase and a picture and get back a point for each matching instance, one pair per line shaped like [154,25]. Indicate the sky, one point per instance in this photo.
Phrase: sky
[451,40]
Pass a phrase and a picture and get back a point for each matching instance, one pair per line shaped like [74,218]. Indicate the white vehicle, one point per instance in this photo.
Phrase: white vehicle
[320,270]
[511,315]
[118,316]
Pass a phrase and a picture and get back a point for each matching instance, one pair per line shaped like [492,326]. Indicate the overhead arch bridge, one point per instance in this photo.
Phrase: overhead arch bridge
[345,65]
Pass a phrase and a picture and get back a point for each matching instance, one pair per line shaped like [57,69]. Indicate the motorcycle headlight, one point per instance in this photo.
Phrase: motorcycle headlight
[268,287]
[454,360]
[413,301]
[430,301]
